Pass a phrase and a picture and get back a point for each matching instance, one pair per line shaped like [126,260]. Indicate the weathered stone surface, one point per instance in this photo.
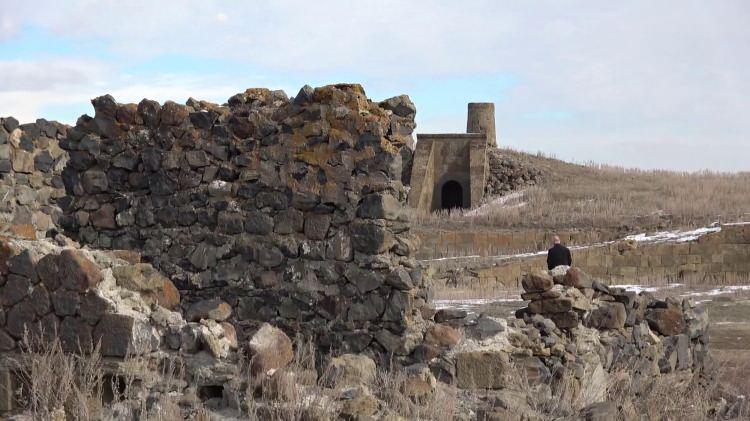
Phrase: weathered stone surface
[316,226]
[152,285]
[270,349]
[93,307]
[24,264]
[442,336]
[446,314]
[537,282]
[16,288]
[482,370]
[214,309]
[552,305]
[65,302]
[122,335]
[666,321]
[575,277]
[350,370]
[75,335]
[77,272]
[608,316]
[20,319]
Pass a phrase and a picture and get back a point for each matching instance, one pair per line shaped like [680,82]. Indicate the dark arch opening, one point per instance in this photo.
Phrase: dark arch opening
[452,195]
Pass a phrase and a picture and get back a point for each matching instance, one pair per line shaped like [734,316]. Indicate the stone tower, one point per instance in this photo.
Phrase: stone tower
[481,119]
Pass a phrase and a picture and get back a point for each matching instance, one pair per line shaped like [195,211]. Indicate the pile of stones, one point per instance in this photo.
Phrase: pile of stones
[575,333]
[507,174]
[31,162]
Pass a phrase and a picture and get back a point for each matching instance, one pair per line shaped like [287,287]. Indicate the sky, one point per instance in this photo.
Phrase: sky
[647,84]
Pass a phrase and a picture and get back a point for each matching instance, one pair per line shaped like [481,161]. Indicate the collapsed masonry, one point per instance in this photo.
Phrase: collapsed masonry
[292,211]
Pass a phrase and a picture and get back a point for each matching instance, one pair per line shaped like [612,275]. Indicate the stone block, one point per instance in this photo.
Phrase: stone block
[483,370]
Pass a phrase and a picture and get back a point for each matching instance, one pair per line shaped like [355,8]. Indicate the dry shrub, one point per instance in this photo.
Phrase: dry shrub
[56,383]
[291,393]
[390,386]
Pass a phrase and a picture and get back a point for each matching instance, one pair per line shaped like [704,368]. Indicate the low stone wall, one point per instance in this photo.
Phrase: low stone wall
[438,243]
[291,210]
[30,184]
[722,256]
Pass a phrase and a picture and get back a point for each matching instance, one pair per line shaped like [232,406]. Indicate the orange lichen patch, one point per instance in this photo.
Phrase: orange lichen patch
[24,231]
[317,155]
[130,256]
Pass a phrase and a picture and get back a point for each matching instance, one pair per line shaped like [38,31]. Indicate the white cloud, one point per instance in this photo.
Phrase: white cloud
[630,72]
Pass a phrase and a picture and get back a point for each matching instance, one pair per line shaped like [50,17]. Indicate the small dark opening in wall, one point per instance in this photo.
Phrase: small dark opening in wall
[452,195]
[210,392]
[115,386]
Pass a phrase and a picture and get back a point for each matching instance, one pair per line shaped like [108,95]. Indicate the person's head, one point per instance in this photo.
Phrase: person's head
[555,240]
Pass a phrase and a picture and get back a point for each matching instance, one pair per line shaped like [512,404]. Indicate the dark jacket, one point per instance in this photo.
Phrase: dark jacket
[558,255]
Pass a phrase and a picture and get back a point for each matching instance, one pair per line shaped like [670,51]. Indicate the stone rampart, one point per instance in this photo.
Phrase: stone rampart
[291,210]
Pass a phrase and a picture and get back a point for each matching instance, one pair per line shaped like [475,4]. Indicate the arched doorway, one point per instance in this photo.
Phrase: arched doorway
[452,195]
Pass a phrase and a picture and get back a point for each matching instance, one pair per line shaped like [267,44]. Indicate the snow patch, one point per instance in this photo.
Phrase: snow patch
[672,236]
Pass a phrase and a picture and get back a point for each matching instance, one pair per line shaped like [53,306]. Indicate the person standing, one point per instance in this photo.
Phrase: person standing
[558,255]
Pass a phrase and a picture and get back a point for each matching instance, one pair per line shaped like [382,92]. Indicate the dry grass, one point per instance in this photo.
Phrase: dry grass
[600,196]
[56,384]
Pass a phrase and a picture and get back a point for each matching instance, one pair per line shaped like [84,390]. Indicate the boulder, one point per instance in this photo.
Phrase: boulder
[482,370]
[270,349]
[667,321]
[152,285]
[537,282]
[77,272]
[446,314]
[122,335]
[575,277]
[554,305]
[442,336]
[350,370]
[610,315]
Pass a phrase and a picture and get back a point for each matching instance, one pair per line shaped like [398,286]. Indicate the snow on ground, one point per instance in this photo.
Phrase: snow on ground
[643,288]
[469,304]
[718,291]
[673,236]
[659,237]
[502,201]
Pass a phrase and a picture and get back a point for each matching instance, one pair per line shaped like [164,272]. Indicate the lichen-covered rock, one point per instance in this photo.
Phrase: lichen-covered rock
[77,272]
[270,349]
[483,370]
[214,309]
[122,335]
[350,370]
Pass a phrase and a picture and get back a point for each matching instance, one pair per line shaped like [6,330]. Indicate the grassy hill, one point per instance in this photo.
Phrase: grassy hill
[600,196]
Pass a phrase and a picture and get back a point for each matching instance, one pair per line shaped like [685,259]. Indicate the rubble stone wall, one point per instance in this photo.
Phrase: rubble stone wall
[291,210]
[30,184]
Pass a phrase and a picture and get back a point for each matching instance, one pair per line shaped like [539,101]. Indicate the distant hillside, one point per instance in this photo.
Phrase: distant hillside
[565,195]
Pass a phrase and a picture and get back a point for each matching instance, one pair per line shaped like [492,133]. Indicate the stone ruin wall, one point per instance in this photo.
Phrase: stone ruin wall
[292,211]
[31,162]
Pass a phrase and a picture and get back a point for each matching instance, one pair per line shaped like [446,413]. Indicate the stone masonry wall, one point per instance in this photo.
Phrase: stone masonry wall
[30,184]
[291,210]
[723,256]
